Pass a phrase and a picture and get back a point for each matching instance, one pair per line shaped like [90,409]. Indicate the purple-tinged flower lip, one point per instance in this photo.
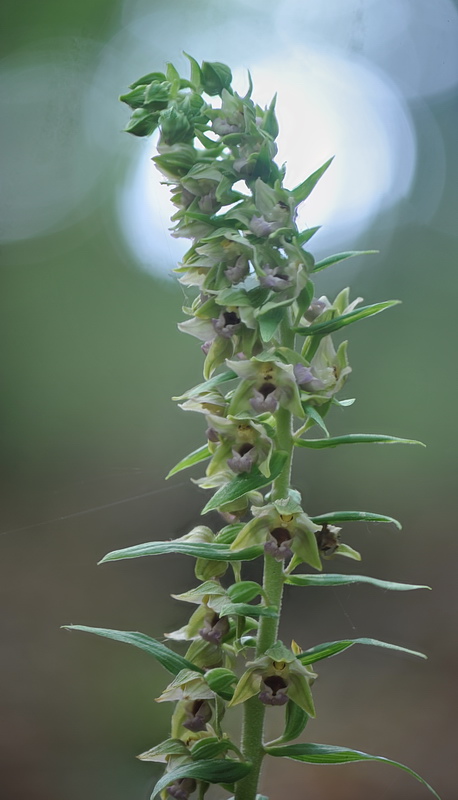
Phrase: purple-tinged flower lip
[181,789]
[199,713]
[274,280]
[212,435]
[243,459]
[306,379]
[275,691]
[215,629]
[262,403]
[261,227]
[279,543]
[227,324]
[238,271]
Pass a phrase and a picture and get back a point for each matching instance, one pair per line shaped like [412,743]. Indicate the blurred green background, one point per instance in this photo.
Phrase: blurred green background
[92,357]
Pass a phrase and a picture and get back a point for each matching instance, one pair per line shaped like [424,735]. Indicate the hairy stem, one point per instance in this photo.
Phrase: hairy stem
[254,710]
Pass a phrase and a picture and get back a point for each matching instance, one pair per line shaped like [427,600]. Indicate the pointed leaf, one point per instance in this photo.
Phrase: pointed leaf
[306,235]
[295,721]
[329,649]
[166,657]
[330,754]
[328,579]
[214,771]
[246,482]
[324,328]
[269,322]
[354,438]
[212,551]
[302,191]
[188,461]
[354,516]
[327,262]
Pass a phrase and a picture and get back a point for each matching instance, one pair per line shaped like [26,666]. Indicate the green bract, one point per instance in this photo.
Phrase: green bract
[271,372]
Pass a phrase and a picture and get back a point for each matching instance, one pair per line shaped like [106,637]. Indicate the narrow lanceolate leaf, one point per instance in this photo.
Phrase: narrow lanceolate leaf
[246,482]
[344,580]
[330,754]
[214,552]
[354,438]
[302,191]
[223,377]
[188,461]
[354,516]
[323,328]
[330,260]
[166,657]
[223,770]
[295,721]
[329,649]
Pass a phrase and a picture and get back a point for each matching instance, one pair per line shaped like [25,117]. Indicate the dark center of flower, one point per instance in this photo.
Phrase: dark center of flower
[244,449]
[266,389]
[281,535]
[275,683]
[231,318]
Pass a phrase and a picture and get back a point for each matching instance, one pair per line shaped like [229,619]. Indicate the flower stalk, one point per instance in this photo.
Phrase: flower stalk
[270,366]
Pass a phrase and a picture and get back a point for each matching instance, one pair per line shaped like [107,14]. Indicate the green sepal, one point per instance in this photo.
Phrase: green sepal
[212,551]
[173,662]
[197,595]
[354,516]
[171,747]
[195,457]
[228,375]
[329,649]
[324,328]
[223,770]
[242,609]
[244,591]
[210,747]
[304,189]
[354,438]
[196,74]
[221,681]
[314,415]
[329,579]
[145,80]
[331,754]
[330,260]
[295,721]
[246,482]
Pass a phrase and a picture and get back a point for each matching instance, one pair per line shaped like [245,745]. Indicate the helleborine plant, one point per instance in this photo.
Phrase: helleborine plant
[271,373]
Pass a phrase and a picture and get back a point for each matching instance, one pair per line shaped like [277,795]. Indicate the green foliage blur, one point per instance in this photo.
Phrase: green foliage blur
[91,358]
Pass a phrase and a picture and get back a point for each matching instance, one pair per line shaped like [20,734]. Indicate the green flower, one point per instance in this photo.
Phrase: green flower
[285,529]
[276,678]
[243,443]
[265,385]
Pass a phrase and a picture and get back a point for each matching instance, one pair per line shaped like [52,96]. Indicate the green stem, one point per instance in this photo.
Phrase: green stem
[254,711]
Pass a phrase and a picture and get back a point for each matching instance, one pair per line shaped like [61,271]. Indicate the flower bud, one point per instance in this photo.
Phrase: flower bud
[215,77]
